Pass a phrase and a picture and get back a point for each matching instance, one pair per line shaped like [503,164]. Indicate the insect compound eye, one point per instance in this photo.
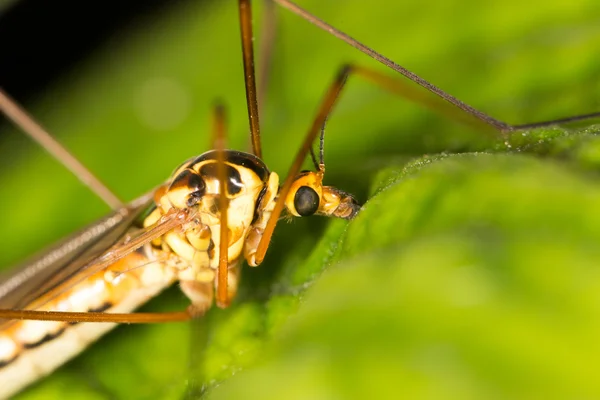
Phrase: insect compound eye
[306,201]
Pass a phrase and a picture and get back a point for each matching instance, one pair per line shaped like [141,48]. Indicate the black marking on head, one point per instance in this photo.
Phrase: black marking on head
[190,180]
[48,337]
[257,204]
[306,201]
[186,178]
[101,308]
[234,157]
[234,180]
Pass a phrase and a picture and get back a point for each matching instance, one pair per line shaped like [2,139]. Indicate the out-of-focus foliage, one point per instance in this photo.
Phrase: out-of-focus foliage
[446,298]
[466,275]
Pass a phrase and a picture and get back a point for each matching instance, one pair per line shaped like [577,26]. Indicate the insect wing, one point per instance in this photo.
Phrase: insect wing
[22,285]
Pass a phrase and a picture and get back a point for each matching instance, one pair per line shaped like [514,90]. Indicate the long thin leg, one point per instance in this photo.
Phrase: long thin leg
[219,126]
[405,90]
[324,110]
[249,77]
[559,121]
[500,126]
[382,80]
[222,299]
[24,121]
[409,91]
[268,35]
[125,318]
[497,124]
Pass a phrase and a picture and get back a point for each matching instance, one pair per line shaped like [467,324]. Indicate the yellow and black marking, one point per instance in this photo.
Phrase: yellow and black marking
[46,338]
[4,363]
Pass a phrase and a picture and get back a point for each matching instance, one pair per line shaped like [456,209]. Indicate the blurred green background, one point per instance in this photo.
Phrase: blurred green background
[466,276]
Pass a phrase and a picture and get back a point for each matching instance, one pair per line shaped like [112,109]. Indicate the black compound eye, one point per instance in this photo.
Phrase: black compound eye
[306,201]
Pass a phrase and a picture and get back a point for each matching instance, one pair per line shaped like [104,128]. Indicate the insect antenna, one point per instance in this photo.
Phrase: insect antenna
[325,108]
[28,125]
[319,165]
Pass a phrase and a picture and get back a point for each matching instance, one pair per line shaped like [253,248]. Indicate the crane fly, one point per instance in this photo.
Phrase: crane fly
[180,238]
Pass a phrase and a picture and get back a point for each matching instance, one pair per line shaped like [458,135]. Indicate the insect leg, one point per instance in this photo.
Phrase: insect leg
[200,293]
[265,52]
[500,126]
[249,77]
[406,90]
[127,318]
[559,121]
[219,128]
[24,121]
[324,110]
[222,298]
[487,119]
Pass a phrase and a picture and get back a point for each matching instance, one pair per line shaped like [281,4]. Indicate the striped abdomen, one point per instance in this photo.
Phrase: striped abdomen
[32,349]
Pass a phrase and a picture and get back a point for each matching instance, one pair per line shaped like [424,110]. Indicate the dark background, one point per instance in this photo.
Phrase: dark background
[65,32]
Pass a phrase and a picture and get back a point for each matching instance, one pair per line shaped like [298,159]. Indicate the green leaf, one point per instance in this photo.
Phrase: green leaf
[464,274]
[473,276]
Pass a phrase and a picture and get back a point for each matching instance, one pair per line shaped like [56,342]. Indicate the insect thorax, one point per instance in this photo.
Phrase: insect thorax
[250,189]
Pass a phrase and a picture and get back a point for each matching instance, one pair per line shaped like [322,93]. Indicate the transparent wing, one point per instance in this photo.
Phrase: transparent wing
[108,255]
[81,255]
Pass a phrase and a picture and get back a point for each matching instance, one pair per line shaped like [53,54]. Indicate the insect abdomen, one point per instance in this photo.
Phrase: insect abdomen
[32,349]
